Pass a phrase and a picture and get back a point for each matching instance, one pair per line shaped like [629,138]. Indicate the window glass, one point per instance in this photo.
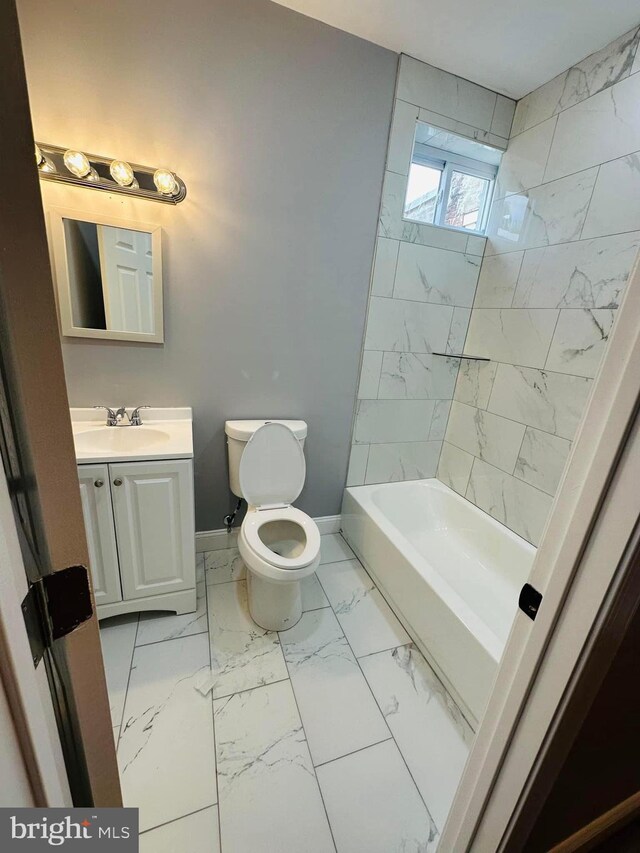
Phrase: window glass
[422,192]
[466,200]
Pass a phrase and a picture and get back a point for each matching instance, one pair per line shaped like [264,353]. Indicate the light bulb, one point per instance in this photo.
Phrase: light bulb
[43,163]
[122,173]
[77,163]
[165,182]
[39,156]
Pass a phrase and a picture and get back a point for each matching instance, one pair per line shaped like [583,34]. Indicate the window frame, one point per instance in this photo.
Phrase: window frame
[426,155]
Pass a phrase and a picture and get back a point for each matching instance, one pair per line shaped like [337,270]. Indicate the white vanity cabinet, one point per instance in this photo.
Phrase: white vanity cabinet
[139,518]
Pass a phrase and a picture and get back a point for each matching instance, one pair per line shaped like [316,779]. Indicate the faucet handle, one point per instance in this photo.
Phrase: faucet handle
[111,415]
[135,418]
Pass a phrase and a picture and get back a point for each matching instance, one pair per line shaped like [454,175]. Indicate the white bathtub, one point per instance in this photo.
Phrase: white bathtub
[451,572]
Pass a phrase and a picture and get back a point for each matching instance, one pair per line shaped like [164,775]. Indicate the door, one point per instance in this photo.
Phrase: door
[38,456]
[126,267]
[95,495]
[153,508]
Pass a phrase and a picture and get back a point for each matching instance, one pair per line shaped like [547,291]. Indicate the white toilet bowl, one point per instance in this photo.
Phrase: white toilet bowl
[279,543]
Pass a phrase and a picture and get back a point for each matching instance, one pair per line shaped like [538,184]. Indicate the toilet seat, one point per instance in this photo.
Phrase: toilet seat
[263,559]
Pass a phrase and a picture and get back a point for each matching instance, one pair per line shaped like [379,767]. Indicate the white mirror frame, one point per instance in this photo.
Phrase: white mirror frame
[57,216]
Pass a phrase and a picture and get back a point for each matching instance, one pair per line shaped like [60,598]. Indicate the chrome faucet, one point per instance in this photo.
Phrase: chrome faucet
[112,417]
[135,418]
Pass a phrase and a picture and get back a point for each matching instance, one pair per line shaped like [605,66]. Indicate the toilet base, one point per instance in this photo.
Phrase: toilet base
[274,606]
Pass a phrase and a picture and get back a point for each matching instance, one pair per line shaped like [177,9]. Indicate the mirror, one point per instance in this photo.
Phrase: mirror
[109,277]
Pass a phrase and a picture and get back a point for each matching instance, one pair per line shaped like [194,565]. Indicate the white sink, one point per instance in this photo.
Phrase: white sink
[127,439]
[165,434]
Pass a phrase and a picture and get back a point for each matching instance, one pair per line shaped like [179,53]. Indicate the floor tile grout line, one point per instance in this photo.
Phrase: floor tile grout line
[126,691]
[181,817]
[306,739]
[249,689]
[171,639]
[353,752]
[213,718]
[378,704]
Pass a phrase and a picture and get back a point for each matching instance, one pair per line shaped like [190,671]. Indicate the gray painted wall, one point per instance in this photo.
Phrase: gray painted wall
[279,126]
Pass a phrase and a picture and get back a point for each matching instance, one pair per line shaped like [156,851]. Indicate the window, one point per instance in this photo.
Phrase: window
[449,188]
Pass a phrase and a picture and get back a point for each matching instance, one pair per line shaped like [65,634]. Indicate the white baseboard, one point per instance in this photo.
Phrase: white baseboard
[216,540]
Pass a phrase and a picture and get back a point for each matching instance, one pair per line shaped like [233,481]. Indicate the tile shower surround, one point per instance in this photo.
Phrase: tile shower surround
[563,236]
[332,736]
[422,291]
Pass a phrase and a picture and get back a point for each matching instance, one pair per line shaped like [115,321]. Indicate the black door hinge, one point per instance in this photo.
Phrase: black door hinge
[530,600]
[54,607]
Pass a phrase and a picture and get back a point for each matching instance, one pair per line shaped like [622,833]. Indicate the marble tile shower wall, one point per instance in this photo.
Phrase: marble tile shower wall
[423,285]
[563,236]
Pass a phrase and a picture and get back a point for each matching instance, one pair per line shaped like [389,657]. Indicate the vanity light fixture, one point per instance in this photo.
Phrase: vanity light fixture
[106,173]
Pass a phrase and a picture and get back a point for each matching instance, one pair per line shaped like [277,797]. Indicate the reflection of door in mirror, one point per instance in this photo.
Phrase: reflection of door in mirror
[126,267]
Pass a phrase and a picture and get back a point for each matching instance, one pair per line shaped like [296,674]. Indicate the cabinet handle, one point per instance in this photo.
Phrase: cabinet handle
[98,484]
[117,482]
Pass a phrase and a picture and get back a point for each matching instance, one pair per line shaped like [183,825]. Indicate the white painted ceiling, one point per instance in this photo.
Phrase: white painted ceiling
[512,46]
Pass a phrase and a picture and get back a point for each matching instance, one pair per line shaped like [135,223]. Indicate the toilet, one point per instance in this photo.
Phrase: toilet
[279,544]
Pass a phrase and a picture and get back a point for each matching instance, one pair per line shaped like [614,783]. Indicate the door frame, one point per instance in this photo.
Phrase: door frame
[592,520]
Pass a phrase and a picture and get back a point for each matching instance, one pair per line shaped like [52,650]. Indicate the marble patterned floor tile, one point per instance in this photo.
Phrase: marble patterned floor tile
[197,833]
[155,627]
[243,655]
[374,805]
[118,637]
[166,752]
[338,711]
[313,597]
[428,727]
[365,617]
[334,548]
[269,796]
[224,565]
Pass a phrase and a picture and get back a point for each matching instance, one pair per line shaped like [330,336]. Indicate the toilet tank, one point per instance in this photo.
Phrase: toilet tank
[238,434]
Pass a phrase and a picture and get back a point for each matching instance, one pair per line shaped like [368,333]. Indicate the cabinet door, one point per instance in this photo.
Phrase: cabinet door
[101,536]
[153,508]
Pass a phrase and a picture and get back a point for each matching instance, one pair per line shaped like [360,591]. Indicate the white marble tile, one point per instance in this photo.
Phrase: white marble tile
[224,565]
[397,325]
[393,420]
[398,461]
[552,213]
[552,402]
[392,224]
[607,125]
[439,420]
[523,508]
[370,375]
[403,127]
[417,376]
[475,245]
[497,282]
[334,548]
[523,163]
[269,797]
[365,617]
[462,129]
[425,274]
[166,752]
[428,727]
[503,116]
[539,105]
[636,62]
[580,340]
[457,331]
[513,335]
[243,655]
[542,459]
[454,467]
[475,381]
[487,436]
[373,804]
[116,736]
[357,464]
[585,274]
[615,206]
[313,597]
[444,93]
[384,268]
[117,638]
[338,712]
[155,627]
[197,833]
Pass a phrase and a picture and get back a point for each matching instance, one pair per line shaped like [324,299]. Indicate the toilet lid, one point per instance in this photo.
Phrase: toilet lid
[272,466]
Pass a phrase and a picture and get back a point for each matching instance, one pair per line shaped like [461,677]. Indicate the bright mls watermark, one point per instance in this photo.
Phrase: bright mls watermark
[69,829]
